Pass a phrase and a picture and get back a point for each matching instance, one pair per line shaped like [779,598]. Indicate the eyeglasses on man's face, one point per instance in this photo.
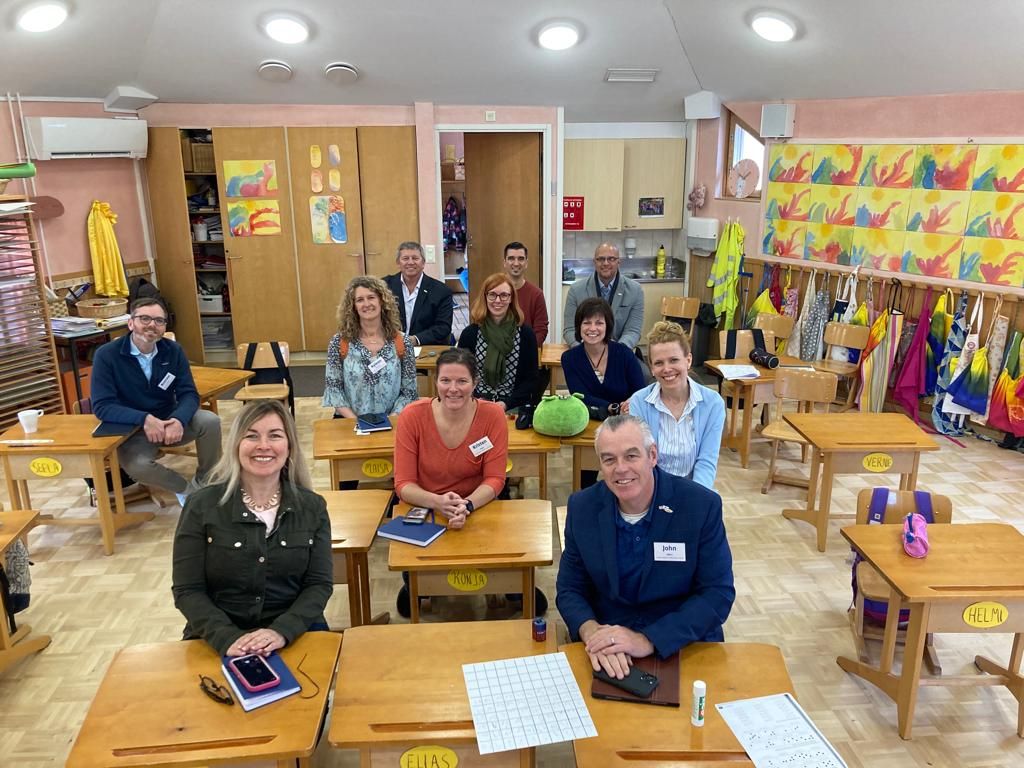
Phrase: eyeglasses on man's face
[147,319]
[499,298]
[606,259]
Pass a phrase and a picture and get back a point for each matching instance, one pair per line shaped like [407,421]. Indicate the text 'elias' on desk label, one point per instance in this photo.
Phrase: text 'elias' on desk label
[45,467]
[429,757]
[467,579]
[377,468]
[985,615]
[877,462]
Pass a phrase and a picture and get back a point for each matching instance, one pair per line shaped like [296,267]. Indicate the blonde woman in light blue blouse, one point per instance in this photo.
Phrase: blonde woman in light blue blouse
[371,365]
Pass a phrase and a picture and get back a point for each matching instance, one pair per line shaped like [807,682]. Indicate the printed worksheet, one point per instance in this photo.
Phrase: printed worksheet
[777,733]
[525,702]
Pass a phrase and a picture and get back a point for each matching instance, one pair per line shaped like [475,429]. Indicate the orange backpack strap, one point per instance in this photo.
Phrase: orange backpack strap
[343,349]
[400,346]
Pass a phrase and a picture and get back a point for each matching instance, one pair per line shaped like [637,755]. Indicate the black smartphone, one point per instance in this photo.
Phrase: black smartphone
[416,516]
[637,682]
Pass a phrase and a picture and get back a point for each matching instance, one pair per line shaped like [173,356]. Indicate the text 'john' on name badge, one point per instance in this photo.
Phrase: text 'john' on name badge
[670,551]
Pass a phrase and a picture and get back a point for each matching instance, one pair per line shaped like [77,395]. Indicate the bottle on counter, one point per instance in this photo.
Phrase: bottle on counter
[659,269]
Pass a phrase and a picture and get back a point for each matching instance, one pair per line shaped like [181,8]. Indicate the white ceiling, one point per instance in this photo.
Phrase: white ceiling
[483,52]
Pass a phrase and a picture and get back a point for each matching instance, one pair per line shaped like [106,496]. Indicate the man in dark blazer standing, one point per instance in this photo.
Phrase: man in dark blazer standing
[425,304]
[646,567]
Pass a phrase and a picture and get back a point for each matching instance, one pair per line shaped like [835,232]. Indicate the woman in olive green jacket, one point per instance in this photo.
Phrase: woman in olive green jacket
[252,554]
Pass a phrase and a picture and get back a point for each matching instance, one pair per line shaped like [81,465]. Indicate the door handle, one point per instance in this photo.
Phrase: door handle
[356,255]
[233,257]
[372,253]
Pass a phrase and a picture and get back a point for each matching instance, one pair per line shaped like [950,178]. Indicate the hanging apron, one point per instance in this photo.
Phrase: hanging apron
[874,362]
[937,335]
[846,301]
[107,266]
[1006,411]
[901,341]
[813,327]
[996,345]
[963,362]
[947,423]
[910,382]
[775,290]
[793,343]
[792,295]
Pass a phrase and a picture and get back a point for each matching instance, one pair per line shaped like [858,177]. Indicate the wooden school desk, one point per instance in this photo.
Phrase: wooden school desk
[414,695]
[355,518]
[149,709]
[495,553]
[16,646]
[211,382]
[73,453]
[637,736]
[752,392]
[854,443]
[971,581]
[583,454]
[551,358]
[372,456]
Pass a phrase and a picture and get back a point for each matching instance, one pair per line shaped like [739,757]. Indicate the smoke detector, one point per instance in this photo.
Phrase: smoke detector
[341,73]
[274,71]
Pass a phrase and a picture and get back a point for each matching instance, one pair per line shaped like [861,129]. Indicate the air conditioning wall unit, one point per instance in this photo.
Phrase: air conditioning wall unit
[55,138]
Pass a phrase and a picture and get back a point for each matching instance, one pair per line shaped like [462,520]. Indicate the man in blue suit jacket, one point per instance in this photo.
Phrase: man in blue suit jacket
[424,304]
[646,567]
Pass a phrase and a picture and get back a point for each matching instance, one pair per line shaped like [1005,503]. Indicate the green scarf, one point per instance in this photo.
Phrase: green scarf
[499,339]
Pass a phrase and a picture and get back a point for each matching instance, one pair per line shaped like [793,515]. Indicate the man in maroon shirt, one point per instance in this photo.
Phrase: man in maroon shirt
[531,300]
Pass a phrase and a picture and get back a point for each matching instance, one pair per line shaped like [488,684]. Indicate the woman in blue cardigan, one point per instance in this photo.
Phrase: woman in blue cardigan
[605,372]
[686,418]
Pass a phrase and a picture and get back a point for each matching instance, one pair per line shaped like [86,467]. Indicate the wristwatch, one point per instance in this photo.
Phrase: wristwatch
[613,409]
[469,506]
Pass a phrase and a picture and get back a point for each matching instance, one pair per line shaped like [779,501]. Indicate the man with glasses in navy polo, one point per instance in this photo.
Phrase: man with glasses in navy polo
[144,379]
[625,296]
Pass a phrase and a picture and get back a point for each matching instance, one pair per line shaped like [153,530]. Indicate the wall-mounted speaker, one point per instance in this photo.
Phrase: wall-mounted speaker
[703,105]
[777,121]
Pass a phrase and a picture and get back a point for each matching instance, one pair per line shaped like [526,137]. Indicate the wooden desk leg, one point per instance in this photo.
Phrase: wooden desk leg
[26,500]
[335,475]
[748,416]
[892,624]
[910,679]
[542,473]
[1011,672]
[13,648]
[414,598]
[912,482]
[106,516]
[12,487]
[355,609]
[825,504]
[211,405]
[120,517]
[528,594]
[577,467]
[527,758]
[808,515]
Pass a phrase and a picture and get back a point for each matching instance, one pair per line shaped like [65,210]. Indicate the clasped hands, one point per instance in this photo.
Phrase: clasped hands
[453,507]
[163,432]
[612,647]
[261,641]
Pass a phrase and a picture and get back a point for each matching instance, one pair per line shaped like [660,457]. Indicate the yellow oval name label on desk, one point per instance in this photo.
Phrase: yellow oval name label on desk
[877,462]
[467,579]
[429,757]
[985,615]
[508,466]
[45,467]
[377,467]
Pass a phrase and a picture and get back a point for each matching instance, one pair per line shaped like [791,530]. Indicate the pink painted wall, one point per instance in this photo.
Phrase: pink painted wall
[76,183]
[455,139]
[209,115]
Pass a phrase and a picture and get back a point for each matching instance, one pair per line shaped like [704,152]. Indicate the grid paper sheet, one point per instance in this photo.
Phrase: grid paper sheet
[777,733]
[525,702]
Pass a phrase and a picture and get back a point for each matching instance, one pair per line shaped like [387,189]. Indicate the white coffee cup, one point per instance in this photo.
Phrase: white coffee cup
[29,420]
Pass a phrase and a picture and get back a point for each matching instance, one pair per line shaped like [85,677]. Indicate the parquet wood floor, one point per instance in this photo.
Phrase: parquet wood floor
[788,595]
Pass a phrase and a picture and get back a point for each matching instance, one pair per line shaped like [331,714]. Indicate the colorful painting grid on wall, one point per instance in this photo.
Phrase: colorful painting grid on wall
[954,211]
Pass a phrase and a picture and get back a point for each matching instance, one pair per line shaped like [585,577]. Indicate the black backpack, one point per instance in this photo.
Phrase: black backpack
[279,375]
[141,288]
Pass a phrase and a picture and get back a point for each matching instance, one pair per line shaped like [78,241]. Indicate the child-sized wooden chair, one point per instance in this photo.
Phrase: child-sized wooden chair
[851,337]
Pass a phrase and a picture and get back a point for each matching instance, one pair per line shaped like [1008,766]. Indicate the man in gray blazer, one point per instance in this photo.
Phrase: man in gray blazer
[625,296]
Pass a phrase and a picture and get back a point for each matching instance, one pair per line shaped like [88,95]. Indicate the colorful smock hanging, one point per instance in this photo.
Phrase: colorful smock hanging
[107,267]
[1006,410]
[793,342]
[963,361]
[937,335]
[910,382]
[763,301]
[996,345]
[812,328]
[948,423]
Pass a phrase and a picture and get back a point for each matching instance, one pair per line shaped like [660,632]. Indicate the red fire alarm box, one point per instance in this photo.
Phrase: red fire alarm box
[572,213]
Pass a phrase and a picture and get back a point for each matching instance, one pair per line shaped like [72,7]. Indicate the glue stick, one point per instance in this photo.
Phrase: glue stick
[700,692]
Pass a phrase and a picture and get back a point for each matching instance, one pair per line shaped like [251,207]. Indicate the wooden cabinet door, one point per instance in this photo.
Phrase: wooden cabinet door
[175,271]
[261,268]
[653,168]
[329,243]
[503,194]
[593,169]
[390,201]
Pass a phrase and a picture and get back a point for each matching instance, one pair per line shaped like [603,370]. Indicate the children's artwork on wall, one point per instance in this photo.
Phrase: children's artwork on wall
[315,156]
[881,208]
[334,180]
[327,219]
[250,178]
[333,154]
[249,218]
[316,182]
[954,211]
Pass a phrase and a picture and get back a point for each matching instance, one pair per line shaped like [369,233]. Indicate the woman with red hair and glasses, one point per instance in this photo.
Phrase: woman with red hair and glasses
[504,348]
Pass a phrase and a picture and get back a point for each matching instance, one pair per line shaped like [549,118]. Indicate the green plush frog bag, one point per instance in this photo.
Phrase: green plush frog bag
[561,415]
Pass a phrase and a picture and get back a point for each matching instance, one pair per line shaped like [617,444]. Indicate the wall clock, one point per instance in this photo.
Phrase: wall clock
[742,179]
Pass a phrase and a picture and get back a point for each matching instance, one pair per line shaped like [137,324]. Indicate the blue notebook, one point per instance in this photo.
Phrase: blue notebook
[420,535]
[250,701]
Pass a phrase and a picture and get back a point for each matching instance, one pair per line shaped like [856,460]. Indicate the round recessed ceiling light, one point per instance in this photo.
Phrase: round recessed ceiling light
[341,73]
[286,29]
[274,71]
[773,27]
[558,35]
[42,17]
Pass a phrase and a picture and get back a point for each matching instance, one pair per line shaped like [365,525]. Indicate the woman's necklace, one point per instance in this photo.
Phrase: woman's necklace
[271,502]
[597,366]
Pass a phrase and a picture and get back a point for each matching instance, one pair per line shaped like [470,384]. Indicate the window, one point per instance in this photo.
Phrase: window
[744,144]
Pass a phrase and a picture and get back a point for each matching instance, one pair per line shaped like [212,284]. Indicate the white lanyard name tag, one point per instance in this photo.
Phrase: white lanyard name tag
[377,365]
[670,551]
[481,446]
[166,381]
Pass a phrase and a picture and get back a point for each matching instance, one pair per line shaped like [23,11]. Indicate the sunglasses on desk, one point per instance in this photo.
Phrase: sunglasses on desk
[215,690]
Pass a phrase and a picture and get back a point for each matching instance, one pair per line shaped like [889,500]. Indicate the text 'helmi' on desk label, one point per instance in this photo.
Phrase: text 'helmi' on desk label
[985,615]
[877,462]
[377,467]
[45,467]
[429,757]
[467,579]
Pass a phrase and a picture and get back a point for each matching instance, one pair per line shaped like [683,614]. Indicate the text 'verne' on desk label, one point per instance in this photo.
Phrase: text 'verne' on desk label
[467,579]
[45,467]
[877,462]
[429,757]
[377,468]
[985,615]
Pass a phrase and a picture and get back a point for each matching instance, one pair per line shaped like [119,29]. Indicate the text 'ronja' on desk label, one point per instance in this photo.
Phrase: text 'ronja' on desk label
[467,579]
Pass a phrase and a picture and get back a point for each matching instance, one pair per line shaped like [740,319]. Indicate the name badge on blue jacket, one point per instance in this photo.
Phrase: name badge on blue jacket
[670,551]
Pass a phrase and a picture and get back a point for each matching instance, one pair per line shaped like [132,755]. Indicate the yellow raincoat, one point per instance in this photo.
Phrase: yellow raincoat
[107,267]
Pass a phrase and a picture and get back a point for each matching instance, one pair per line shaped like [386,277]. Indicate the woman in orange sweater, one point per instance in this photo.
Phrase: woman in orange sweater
[450,452]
